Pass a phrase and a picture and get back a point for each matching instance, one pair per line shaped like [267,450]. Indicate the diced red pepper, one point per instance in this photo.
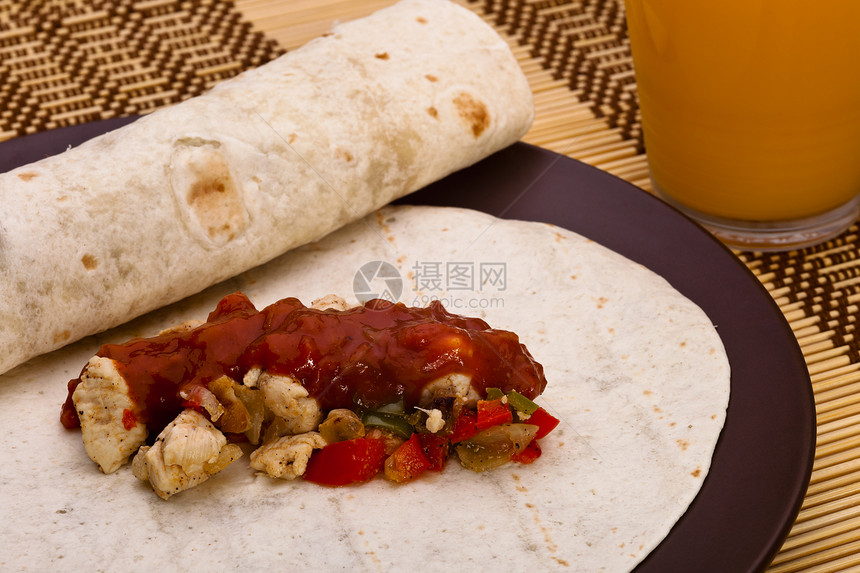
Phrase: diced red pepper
[493,413]
[545,422]
[129,420]
[347,462]
[407,462]
[465,426]
[529,454]
[435,447]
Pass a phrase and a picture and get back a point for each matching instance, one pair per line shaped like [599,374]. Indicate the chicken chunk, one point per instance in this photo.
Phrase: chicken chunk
[186,453]
[252,377]
[458,386]
[287,398]
[287,457]
[106,411]
[330,302]
[186,326]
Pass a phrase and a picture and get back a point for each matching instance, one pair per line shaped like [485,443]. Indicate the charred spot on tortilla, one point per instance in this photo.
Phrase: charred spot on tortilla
[89,262]
[433,112]
[431,78]
[344,154]
[212,195]
[331,393]
[208,196]
[381,56]
[27,176]
[383,222]
[473,112]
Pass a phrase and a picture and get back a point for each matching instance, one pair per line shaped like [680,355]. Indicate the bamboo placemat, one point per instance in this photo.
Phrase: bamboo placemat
[64,62]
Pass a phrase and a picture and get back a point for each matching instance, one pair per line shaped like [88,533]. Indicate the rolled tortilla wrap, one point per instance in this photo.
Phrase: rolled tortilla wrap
[272,159]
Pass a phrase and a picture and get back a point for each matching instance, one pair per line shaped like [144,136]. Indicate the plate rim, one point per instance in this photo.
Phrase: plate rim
[582,181]
[638,203]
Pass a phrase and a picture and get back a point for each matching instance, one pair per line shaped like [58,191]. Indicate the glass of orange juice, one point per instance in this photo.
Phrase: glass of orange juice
[751,114]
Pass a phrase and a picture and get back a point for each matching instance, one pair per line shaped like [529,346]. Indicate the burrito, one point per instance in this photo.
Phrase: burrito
[275,158]
[635,372]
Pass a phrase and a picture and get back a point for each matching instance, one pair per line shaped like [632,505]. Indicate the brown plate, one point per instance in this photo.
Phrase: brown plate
[763,460]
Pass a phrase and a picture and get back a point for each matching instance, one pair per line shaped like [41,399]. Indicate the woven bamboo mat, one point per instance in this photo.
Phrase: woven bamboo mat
[64,62]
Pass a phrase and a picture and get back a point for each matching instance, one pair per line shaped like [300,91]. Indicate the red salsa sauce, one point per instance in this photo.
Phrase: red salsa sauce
[362,357]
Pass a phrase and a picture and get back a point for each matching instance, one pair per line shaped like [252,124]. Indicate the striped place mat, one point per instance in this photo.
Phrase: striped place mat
[68,62]
[64,62]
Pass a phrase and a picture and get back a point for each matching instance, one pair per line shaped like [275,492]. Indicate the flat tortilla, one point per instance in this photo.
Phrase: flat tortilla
[637,375]
[277,157]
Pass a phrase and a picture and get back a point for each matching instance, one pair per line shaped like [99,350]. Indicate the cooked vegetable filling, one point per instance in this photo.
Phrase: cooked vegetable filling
[334,394]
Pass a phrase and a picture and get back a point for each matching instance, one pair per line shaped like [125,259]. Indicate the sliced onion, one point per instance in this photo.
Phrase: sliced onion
[200,396]
[495,446]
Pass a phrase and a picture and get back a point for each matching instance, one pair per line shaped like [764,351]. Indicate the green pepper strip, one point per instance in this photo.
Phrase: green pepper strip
[392,422]
[521,404]
[494,394]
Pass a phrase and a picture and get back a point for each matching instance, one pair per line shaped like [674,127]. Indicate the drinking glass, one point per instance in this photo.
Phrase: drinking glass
[751,114]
